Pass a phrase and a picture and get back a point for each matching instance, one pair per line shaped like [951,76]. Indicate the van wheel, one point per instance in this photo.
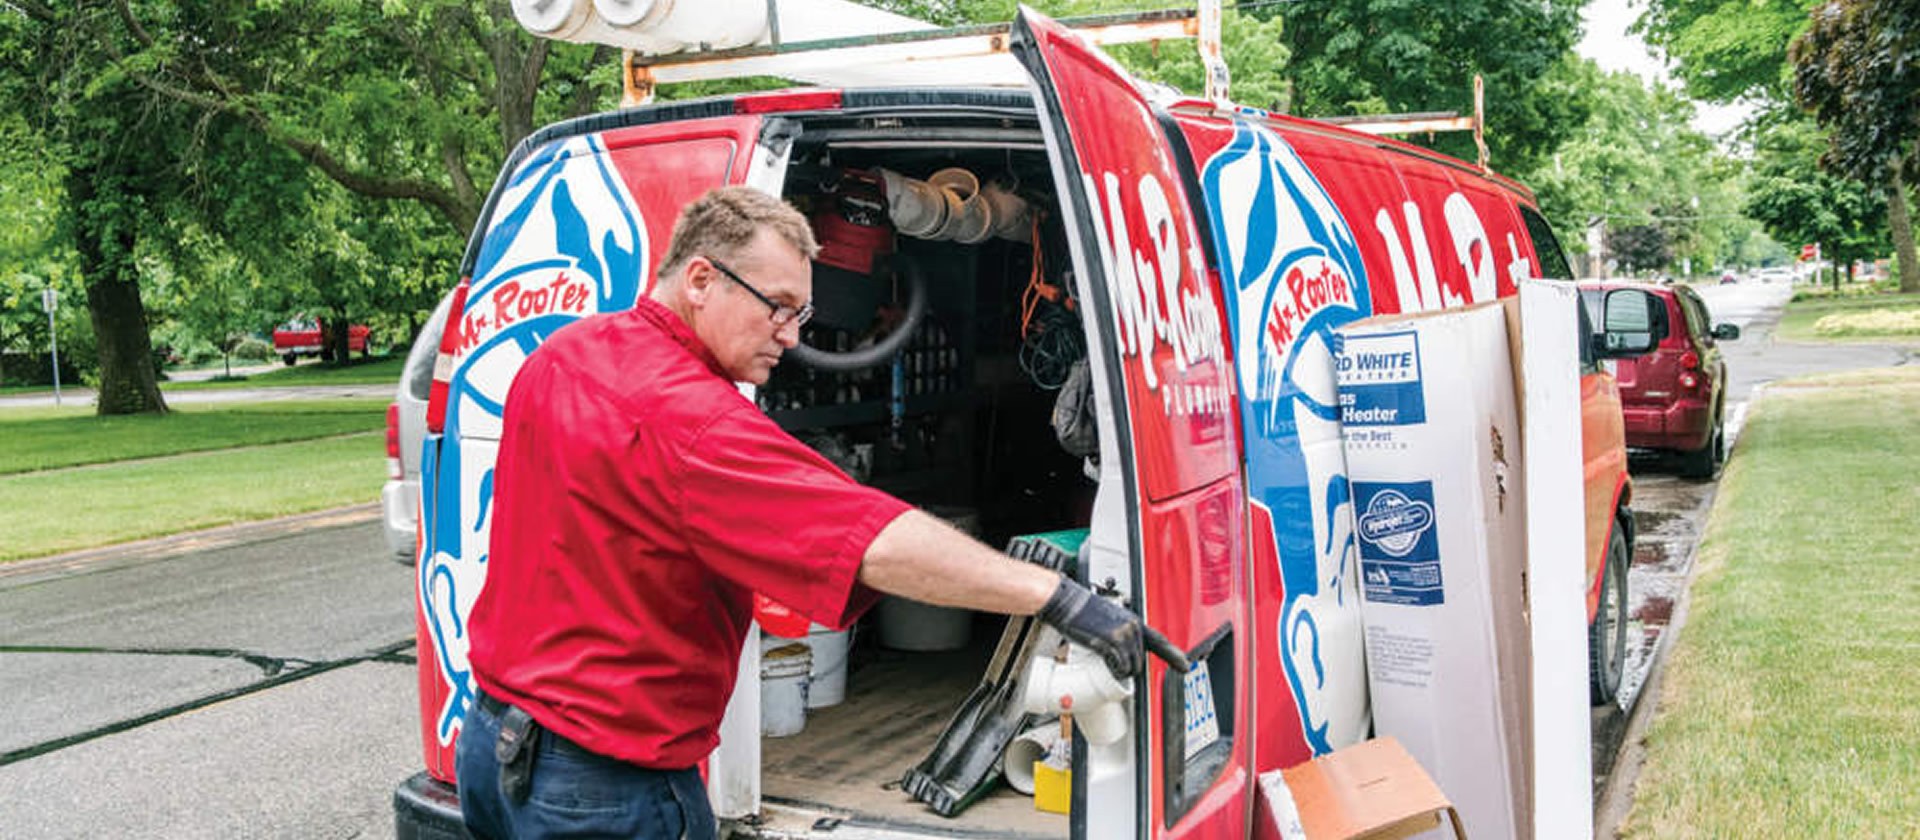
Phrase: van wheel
[289,359]
[1607,635]
[1704,462]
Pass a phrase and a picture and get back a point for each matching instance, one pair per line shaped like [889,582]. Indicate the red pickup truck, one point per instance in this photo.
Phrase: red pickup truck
[305,336]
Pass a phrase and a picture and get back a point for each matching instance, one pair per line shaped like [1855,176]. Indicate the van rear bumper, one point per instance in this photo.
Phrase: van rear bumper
[1684,426]
[425,808]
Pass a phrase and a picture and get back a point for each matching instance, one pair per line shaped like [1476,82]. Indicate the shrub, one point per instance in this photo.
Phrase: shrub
[251,349]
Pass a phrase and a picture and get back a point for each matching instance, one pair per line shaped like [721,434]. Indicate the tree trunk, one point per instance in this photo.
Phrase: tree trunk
[1902,225]
[333,339]
[104,247]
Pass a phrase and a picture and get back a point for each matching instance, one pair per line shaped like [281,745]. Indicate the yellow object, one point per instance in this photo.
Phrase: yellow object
[1052,787]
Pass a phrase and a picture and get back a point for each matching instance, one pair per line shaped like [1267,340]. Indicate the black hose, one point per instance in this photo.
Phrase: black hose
[881,351]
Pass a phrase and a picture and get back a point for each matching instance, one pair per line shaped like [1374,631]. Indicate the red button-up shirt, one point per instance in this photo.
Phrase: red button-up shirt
[640,501]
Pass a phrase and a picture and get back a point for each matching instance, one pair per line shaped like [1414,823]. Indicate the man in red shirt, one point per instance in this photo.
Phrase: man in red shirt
[640,501]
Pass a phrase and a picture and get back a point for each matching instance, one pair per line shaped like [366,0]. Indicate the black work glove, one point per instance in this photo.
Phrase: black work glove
[1097,624]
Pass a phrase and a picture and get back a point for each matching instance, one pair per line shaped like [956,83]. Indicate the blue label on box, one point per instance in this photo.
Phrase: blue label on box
[1379,376]
[1399,543]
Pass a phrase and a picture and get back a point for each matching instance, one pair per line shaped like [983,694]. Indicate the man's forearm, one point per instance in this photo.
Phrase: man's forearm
[920,557]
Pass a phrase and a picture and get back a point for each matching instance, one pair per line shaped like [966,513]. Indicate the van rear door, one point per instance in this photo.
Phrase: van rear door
[1167,530]
[574,227]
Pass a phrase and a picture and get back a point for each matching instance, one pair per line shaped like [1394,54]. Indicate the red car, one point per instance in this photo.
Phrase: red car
[1674,396]
[305,337]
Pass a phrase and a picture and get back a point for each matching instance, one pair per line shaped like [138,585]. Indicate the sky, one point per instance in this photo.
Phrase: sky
[1609,44]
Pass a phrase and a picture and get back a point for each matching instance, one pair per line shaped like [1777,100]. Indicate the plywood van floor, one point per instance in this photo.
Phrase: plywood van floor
[850,757]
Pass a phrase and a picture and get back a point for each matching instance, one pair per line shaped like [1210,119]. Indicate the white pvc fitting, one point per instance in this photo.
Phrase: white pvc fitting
[1031,746]
[1083,687]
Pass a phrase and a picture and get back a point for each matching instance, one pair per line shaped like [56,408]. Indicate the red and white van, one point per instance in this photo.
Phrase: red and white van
[1195,256]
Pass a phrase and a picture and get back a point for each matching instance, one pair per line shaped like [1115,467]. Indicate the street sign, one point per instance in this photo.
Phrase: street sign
[49,299]
[1808,253]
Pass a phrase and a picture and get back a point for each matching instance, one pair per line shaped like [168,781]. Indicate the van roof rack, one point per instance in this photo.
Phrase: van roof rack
[977,54]
[1426,122]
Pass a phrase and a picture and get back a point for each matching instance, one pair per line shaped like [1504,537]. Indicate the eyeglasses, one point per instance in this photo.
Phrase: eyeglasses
[782,314]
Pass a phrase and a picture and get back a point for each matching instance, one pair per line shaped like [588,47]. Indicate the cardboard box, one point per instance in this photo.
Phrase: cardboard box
[1372,790]
[1431,429]
[1475,605]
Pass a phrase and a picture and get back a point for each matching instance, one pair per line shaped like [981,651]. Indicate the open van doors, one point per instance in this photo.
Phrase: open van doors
[1167,532]
[575,228]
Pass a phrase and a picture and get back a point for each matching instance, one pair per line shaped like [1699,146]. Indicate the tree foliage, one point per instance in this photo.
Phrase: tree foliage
[1799,203]
[1723,50]
[1392,56]
[1857,69]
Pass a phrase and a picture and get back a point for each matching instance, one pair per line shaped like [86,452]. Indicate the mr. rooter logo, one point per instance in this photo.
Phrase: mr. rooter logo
[1293,271]
[567,242]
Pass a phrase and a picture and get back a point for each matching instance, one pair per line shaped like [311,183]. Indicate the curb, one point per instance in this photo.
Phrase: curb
[156,548]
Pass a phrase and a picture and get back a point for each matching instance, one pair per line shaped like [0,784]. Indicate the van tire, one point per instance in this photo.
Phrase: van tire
[1704,462]
[289,359]
[1607,635]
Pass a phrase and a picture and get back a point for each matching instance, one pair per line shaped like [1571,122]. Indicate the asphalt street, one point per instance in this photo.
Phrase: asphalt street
[261,688]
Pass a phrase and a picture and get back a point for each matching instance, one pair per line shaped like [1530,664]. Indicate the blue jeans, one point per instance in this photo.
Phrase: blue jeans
[575,793]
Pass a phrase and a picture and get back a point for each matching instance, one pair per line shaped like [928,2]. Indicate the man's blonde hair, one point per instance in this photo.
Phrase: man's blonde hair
[722,222]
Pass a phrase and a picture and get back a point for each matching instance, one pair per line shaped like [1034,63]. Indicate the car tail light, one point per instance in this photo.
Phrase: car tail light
[1688,380]
[393,442]
[1690,360]
[443,363]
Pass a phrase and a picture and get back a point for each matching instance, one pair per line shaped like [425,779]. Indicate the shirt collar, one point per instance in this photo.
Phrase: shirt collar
[668,322]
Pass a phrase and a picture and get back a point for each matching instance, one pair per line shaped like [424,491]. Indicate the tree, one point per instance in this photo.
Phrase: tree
[1723,50]
[1375,56]
[1857,69]
[1640,247]
[1799,203]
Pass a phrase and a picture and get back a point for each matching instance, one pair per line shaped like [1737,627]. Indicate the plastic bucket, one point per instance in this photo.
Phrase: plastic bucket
[783,690]
[913,626]
[827,679]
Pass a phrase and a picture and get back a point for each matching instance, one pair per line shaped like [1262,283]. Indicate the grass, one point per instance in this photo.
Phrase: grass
[380,371]
[1792,703]
[46,437]
[65,510]
[1852,317]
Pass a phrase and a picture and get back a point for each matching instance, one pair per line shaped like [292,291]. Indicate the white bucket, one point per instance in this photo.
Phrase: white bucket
[910,625]
[783,690]
[827,680]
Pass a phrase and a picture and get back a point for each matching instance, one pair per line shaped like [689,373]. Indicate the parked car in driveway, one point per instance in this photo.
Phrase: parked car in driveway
[1673,398]
[305,336]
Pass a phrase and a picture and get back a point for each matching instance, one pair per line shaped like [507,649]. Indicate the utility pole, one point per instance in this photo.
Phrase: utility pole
[51,300]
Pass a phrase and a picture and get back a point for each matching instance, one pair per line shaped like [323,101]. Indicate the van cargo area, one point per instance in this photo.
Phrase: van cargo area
[957,422]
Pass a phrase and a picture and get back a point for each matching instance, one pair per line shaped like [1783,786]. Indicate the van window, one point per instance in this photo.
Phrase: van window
[1546,247]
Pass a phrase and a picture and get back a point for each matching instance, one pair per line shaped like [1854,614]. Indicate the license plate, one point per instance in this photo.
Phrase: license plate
[1203,727]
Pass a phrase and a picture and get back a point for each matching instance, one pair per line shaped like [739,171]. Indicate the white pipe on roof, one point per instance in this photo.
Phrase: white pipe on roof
[663,27]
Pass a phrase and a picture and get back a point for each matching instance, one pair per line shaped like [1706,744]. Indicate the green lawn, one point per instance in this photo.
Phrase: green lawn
[1792,698]
[41,438]
[1853,317]
[379,371]
[65,510]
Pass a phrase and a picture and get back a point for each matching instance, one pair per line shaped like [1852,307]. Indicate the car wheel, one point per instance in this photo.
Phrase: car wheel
[1607,635]
[1704,462]
[289,359]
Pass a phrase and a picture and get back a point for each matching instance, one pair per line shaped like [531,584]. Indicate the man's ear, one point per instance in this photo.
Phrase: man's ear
[696,281]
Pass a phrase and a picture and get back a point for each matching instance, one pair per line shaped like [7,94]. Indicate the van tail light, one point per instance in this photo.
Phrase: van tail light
[1690,360]
[393,442]
[1688,380]
[443,364]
